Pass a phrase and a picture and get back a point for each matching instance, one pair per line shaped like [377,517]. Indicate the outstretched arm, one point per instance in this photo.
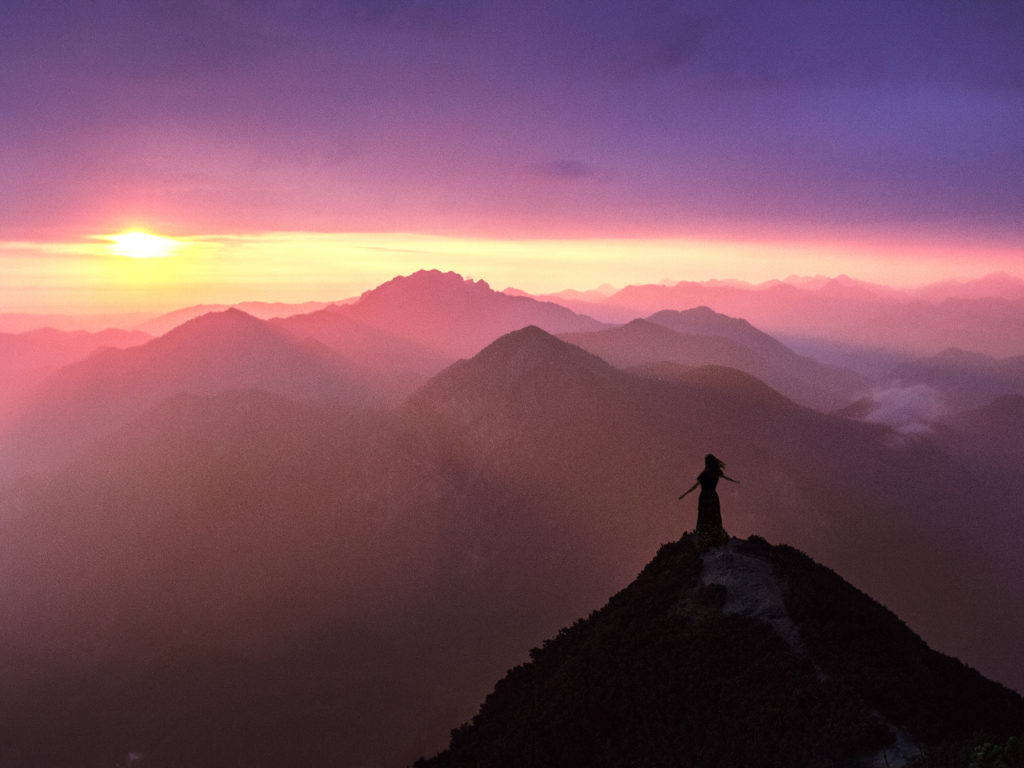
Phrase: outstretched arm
[726,477]
[690,489]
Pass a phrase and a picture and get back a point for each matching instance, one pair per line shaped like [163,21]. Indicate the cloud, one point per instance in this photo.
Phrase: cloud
[910,410]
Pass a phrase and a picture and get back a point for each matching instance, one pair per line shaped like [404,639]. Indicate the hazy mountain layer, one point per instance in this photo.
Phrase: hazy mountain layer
[703,337]
[373,351]
[398,364]
[236,528]
[28,358]
[214,353]
[264,310]
[986,317]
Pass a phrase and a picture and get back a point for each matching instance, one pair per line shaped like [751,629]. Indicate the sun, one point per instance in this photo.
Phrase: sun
[143,245]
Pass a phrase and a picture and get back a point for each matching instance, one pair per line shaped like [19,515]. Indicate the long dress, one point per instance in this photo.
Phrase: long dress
[709,510]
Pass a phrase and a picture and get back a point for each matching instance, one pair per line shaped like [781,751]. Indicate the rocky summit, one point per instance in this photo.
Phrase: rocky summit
[747,654]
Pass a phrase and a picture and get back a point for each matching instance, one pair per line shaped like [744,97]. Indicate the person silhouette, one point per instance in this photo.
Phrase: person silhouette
[709,510]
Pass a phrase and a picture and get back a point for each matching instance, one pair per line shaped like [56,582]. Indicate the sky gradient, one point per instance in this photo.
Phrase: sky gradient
[305,150]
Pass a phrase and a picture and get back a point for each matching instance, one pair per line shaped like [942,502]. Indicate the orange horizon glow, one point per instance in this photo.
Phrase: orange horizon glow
[140,271]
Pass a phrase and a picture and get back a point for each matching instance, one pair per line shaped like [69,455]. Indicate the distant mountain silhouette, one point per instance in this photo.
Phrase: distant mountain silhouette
[47,348]
[703,337]
[401,364]
[214,353]
[772,305]
[28,358]
[846,312]
[22,322]
[741,655]
[704,321]
[160,325]
[455,316]
[643,341]
[590,303]
[998,285]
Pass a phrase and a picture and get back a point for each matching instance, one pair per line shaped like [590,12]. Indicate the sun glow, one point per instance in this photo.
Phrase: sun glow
[142,245]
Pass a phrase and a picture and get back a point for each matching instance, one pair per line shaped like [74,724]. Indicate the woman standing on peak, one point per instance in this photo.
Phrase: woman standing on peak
[709,510]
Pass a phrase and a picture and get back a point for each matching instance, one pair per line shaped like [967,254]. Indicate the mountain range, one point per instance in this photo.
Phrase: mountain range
[213,353]
[338,535]
[701,336]
[985,316]
[373,352]
[455,316]
[28,358]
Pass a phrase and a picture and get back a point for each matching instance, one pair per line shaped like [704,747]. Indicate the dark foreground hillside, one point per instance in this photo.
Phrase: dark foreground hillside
[743,655]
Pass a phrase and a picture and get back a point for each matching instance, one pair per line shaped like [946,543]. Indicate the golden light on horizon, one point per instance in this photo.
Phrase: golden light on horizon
[136,270]
[137,244]
[141,271]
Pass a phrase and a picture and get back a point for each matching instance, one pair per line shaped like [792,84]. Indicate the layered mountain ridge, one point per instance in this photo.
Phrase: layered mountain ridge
[364,530]
[207,355]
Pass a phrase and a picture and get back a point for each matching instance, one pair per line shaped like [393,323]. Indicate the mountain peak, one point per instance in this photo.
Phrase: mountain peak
[218,332]
[530,340]
[427,282]
[520,354]
[454,315]
[699,319]
[218,321]
[521,368]
[704,321]
[668,670]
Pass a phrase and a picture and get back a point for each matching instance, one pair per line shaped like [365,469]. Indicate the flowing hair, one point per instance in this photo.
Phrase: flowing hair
[714,463]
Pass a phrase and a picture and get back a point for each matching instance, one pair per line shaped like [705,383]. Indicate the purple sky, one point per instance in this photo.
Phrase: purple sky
[721,139]
[514,118]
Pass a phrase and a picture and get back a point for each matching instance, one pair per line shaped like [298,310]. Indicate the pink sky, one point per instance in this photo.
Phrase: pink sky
[313,150]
